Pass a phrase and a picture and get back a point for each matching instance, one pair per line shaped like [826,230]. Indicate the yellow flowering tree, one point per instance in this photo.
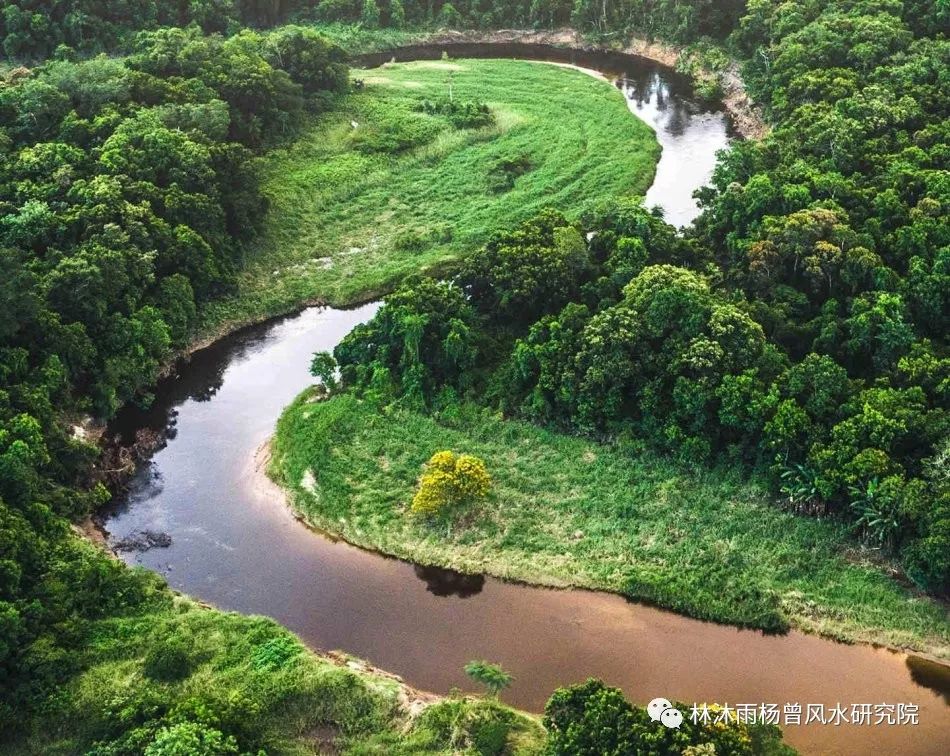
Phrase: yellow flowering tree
[450,479]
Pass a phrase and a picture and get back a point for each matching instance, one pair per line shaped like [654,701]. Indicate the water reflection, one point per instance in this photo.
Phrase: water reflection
[444,582]
[197,378]
[930,674]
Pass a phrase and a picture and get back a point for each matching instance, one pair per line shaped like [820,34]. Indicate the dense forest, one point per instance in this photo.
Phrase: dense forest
[126,195]
[30,30]
[798,329]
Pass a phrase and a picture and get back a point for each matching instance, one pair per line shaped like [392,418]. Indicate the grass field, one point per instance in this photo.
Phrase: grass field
[566,511]
[353,210]
[250,677]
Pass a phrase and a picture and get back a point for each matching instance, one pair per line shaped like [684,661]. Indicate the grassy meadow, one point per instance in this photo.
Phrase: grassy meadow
[181,663]
[356,208]
[568,511]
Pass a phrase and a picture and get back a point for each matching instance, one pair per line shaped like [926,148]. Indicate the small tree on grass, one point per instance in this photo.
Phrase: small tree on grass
[450,479]
[323,367]
[492,676]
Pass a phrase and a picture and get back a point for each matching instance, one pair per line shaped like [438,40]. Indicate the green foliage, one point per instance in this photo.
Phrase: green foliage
[354,212]
[523,274]
[590,719]
[309,59]
[836,227]
[568,510]
[800,326]
[504,173]
[492,676]
[463,115]
[167,662]
[481,726]
[276,652]
[191,739]
[369,17]
[815,349]
[422,339]
[448,481]
[323,367]
[258,690]
[127,195]
[78,27]
[397,14]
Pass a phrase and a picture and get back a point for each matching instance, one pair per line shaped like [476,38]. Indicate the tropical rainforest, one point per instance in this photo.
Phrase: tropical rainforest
[794,335]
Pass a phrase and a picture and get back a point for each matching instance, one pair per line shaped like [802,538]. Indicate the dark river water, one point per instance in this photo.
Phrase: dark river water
[235,543]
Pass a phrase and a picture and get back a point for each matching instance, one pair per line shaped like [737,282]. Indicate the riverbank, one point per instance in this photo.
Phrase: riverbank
[261,682]
[746,116]
[225,316]
[568,512]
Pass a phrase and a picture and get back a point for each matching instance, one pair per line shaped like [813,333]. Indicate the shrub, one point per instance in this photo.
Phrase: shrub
[167,662]
[276,652]
[462,114]
[503,174]
[492,676]
[489,736]
[324,368]
[191,739]
[593,719]
[450,479]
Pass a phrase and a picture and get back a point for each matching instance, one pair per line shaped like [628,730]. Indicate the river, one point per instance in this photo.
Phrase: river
[236,544]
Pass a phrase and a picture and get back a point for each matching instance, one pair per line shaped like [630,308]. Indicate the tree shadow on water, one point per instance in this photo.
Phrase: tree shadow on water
[444,582]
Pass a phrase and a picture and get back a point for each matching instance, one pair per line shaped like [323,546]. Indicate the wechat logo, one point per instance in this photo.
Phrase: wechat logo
[661,710]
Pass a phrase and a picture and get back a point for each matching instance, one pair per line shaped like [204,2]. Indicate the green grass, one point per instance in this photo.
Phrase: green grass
[567,511]
[249,677]
[355,210]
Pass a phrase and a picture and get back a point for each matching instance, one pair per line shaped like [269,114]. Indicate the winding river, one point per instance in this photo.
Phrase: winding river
[235,543]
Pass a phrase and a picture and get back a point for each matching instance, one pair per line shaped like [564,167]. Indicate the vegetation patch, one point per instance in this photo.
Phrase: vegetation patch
[180,679]
[463,115]
[567,511]
[502,175]
[420,166]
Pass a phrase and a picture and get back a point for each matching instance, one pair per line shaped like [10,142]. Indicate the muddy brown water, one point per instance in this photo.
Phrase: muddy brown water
[236,545]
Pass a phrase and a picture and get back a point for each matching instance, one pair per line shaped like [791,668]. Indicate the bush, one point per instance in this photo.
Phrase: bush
[449,480]
[463,115]
[191,739]
[462,725]
[276,652]
[592,718]
[167,662]
[492,676]
[502,176]
[489,735]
